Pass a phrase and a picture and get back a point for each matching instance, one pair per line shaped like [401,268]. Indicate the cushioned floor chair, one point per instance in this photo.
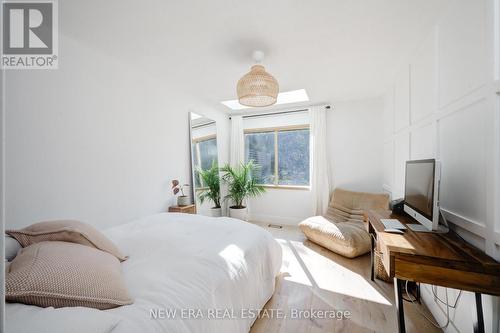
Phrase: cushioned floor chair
[342,229]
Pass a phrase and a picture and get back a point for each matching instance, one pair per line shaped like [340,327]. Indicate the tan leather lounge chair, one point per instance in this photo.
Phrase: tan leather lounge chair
[342,229]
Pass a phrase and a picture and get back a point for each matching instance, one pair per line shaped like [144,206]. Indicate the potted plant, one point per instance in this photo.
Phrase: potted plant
[211,188]
[182,200]
[241,185]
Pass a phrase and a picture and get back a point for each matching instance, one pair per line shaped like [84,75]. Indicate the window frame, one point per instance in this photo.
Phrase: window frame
[276,130]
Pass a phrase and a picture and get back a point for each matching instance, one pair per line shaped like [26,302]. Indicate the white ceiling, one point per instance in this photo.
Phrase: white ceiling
[336,50]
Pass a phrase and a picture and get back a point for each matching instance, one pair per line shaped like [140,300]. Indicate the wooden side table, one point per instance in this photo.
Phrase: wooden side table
[189,209]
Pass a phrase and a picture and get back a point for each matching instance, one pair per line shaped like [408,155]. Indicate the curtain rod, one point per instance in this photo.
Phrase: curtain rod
[277,113]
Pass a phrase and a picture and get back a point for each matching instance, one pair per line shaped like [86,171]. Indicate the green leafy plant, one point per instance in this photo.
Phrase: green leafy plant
[211,184]
[241,183]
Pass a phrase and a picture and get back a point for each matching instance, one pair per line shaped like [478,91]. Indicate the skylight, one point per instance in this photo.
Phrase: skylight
[286,97]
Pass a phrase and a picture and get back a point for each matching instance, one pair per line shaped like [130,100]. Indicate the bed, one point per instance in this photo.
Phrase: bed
[186,273]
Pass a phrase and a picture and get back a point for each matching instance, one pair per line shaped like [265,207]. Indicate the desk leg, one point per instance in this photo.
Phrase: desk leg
[398,299]
[479,322]
[372,261]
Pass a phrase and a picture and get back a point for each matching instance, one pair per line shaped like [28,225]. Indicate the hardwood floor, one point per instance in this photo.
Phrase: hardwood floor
[315,278]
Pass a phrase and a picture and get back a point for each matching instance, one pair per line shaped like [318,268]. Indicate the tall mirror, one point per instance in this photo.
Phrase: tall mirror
[205,165]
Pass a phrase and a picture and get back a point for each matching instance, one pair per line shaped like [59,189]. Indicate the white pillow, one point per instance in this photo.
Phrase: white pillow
[11,247]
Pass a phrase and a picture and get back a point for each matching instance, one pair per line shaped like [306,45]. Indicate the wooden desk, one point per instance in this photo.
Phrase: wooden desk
[438,259]
[189,209]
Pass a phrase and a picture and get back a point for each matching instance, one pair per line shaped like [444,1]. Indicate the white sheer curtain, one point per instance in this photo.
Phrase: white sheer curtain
[237,154]
[320,180]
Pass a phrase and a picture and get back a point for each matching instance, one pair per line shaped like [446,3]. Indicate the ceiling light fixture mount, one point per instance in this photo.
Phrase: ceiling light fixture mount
[257,88]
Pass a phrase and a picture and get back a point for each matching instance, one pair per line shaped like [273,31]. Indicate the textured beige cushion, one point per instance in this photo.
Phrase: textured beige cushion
[61,274]
[350,206]
[66,231]
[342,229]
[348,238]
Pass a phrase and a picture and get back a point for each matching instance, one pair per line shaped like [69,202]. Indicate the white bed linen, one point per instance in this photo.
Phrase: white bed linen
[214,266]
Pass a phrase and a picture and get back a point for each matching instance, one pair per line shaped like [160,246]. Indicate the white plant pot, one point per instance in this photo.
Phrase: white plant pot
[183,200]
[216,212]
[239,213]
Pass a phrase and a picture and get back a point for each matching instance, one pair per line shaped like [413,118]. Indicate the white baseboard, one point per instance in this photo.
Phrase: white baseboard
[293,221]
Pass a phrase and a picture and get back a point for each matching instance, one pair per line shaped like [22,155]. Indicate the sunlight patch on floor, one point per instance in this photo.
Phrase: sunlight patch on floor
[344,280]
[291,266]
[310,268]
[313,277]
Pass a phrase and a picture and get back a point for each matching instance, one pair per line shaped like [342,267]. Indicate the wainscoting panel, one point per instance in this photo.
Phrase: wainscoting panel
[454,116]
[463,156]
[389,114]
[496,37]
[497,162]
[462,50]
[402,99]
[401,155]
[388,165]
[422,78]
[422,140]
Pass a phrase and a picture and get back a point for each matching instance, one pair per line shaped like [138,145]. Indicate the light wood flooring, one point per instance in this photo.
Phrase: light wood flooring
[313,277]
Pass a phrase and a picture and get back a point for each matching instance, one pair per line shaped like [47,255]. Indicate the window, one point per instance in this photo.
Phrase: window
[259,147]
[293,162]
[281,153]
[204,154]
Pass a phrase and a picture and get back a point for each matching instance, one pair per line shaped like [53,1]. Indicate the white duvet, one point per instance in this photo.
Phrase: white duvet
[206,274]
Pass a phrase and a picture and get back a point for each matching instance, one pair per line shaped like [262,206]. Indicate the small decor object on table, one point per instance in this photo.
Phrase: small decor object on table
[189,209]
[241,185]
[210,189]
[182,200]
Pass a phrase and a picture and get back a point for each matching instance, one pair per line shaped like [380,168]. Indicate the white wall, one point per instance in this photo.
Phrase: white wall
[281,206]
[97,140]
[444,104]
[355,137]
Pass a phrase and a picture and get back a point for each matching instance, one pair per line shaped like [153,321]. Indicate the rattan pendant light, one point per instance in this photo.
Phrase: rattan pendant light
[257,88]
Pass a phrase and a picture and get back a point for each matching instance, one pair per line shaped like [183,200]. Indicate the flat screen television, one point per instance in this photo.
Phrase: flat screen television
[421,199]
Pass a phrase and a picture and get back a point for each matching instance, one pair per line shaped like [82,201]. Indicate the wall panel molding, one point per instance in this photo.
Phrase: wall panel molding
[388,153]
[466,100]
[423,141]
[461,128]
[423,80]
[496,39]
[463,151]
[402,99]
[496,149]
[462,51]
[466,223]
